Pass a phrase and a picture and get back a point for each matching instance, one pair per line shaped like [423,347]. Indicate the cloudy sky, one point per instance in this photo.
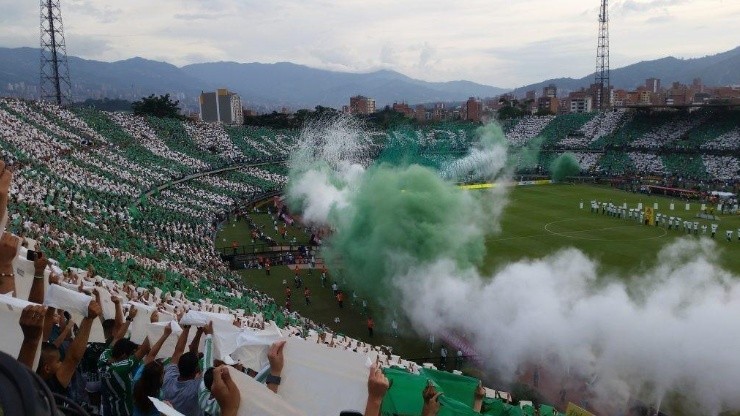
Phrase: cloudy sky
[505,43]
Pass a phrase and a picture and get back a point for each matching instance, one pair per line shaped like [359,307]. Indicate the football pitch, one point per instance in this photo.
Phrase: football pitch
[538,221]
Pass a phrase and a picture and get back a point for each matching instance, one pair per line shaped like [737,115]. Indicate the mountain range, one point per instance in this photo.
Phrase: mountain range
[714,70]
[270,86]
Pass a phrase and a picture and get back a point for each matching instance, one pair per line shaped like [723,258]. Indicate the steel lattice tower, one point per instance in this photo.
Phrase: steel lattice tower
[54,83]
[602,58]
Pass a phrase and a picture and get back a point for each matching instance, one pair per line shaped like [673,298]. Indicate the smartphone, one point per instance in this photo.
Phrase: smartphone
[31,255]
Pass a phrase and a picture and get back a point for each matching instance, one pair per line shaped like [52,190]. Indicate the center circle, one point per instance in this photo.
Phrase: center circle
[594,228]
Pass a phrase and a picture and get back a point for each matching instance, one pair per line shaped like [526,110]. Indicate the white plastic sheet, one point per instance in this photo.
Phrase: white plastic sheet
[248,346]
[164,408]
[224,339]
[67,300]
[23,285]
[155,330]
[200,318]
[10,315]
[138,327]
[313,372]
[258,400]
[24,271]
[106,304]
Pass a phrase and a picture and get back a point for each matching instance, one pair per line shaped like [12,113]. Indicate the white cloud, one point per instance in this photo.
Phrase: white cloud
[431,40]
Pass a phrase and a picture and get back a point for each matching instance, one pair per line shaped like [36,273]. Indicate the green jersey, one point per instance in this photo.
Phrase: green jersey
[117,379]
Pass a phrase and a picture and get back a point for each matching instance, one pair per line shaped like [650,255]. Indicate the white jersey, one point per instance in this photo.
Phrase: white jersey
[714,227]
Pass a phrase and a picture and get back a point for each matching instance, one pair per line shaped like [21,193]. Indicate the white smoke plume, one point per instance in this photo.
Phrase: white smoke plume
[672,328]
[675,329]
[331,157]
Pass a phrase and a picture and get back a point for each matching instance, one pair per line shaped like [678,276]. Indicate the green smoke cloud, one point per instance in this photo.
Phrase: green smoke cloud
[563,166]
[403,210]
[527,156]
[400,217]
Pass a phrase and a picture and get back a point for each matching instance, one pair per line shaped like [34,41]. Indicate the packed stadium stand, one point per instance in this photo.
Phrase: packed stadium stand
[527,128]
[128,207]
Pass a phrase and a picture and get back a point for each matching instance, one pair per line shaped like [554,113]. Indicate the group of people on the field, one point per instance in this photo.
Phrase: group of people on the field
[659,219]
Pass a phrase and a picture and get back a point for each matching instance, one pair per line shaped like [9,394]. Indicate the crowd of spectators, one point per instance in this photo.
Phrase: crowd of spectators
[647,142]
[117,348]
[139,264]
[646,162]
[665,133]
[527,129]
[722,167]
[599,126]
[144,134]
[726,141]
[213,137]
[85,192]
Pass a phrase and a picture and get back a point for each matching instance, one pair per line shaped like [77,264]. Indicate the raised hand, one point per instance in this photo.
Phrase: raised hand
[377,383]
[225,391]
[94,310]
[276,358]
[132,313]
[32,322]
[168,329]
[5,177]
[431,406]
[8,248]
[39,265]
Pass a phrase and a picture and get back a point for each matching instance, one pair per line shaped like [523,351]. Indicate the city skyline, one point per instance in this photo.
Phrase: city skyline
[504,44]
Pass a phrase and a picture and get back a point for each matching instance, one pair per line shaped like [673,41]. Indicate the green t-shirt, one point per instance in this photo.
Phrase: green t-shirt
[117,377]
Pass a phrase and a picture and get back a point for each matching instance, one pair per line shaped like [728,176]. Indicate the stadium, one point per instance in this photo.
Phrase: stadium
[202,222]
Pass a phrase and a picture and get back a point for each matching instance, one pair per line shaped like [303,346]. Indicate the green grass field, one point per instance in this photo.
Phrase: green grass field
[538,221]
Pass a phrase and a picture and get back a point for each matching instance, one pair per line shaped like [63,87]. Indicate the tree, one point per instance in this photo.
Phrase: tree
[106,104]
[161,106]
[387,118]
[509,112]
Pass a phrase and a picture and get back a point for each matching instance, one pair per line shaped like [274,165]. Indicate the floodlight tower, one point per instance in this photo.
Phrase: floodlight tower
[602,58]
[54,83]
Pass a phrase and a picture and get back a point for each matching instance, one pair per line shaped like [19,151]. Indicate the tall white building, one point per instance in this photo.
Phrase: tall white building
[222,106]
[581,104]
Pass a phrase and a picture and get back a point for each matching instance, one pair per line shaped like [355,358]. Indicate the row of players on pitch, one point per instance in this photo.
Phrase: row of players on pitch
[660,219]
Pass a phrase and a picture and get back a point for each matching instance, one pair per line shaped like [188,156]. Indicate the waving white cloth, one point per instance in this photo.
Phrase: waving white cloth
[62,298]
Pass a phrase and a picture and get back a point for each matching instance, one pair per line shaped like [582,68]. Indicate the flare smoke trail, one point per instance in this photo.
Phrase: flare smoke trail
[563,166]
[413,240]
[326,166]
[388,217]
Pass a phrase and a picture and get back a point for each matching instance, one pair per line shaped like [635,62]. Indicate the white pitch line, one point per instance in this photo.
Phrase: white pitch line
[598,229]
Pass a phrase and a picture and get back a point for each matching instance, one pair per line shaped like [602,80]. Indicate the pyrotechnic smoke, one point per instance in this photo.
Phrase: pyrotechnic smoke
[563,166]
[325,167]
[398,218]
[485,160]
[415,241]
[677,330]
[389,217]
